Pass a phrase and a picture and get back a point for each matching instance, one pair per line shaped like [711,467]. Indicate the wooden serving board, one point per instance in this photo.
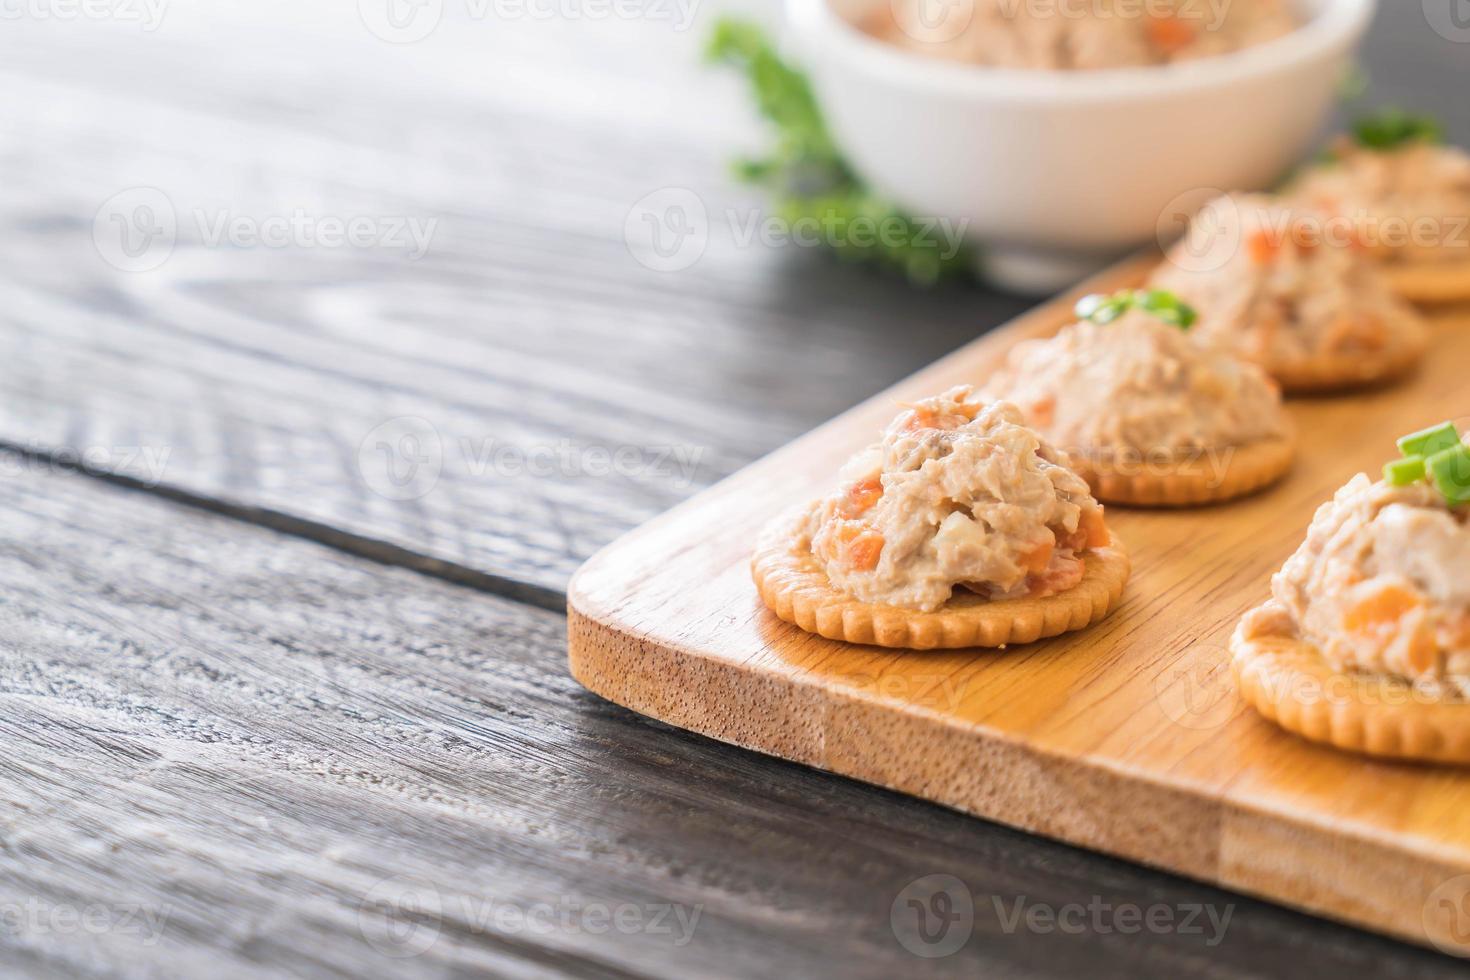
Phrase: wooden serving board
[1126,738]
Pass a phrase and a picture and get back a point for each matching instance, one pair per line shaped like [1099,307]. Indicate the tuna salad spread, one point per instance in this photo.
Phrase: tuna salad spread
[1137,385]
[958,492]
[1079,34]
[1270,287]
[1409,202]
[1382,585]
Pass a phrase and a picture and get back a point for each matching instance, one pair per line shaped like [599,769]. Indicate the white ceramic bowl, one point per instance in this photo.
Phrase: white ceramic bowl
[1055,172]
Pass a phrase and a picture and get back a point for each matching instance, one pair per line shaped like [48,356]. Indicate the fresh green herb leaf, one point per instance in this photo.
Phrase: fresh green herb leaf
[811,185]
[1392,128]
[1427,442]
[1159,303]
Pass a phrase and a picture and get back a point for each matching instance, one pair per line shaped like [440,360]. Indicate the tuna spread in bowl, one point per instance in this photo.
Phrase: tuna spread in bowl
[1054,171]
[1078,34]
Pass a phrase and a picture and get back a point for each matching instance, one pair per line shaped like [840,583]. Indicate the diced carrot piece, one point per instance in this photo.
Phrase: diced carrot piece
[923,418]
[1423,650]
[862,496]
[863,553]
[1170,34]
[1096,528]
[1262,247]
[1036,560]
[1043,410]
[1381,609]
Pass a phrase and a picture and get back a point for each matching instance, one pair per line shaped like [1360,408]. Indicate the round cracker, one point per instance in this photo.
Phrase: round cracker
[1429,282]
[1288,681]
[1186,479]
[793,583]
[1328,373]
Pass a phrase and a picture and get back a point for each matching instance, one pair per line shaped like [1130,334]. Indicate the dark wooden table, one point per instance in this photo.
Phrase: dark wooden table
[287,521]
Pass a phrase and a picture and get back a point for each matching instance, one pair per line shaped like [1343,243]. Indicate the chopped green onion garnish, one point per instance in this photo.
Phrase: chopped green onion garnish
[1427,442]
[1159,303]
[1449,471]
[1402,472]
[1167,307]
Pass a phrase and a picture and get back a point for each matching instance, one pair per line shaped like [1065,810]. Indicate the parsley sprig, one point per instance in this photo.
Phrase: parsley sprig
[1389,129]
[809,180]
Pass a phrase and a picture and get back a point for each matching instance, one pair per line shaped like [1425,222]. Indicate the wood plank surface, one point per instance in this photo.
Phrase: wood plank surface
[232,753]
[257,374]
[251,732]
[1127,737]
[561,391]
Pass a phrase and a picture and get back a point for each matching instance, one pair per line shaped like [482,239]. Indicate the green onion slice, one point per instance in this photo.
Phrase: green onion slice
[1158,303]
[1402,472]
[1427,442]
[1449,471]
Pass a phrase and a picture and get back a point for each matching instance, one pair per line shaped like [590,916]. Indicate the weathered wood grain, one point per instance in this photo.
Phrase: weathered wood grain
[1127,736]
[245,735]
[566,392]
